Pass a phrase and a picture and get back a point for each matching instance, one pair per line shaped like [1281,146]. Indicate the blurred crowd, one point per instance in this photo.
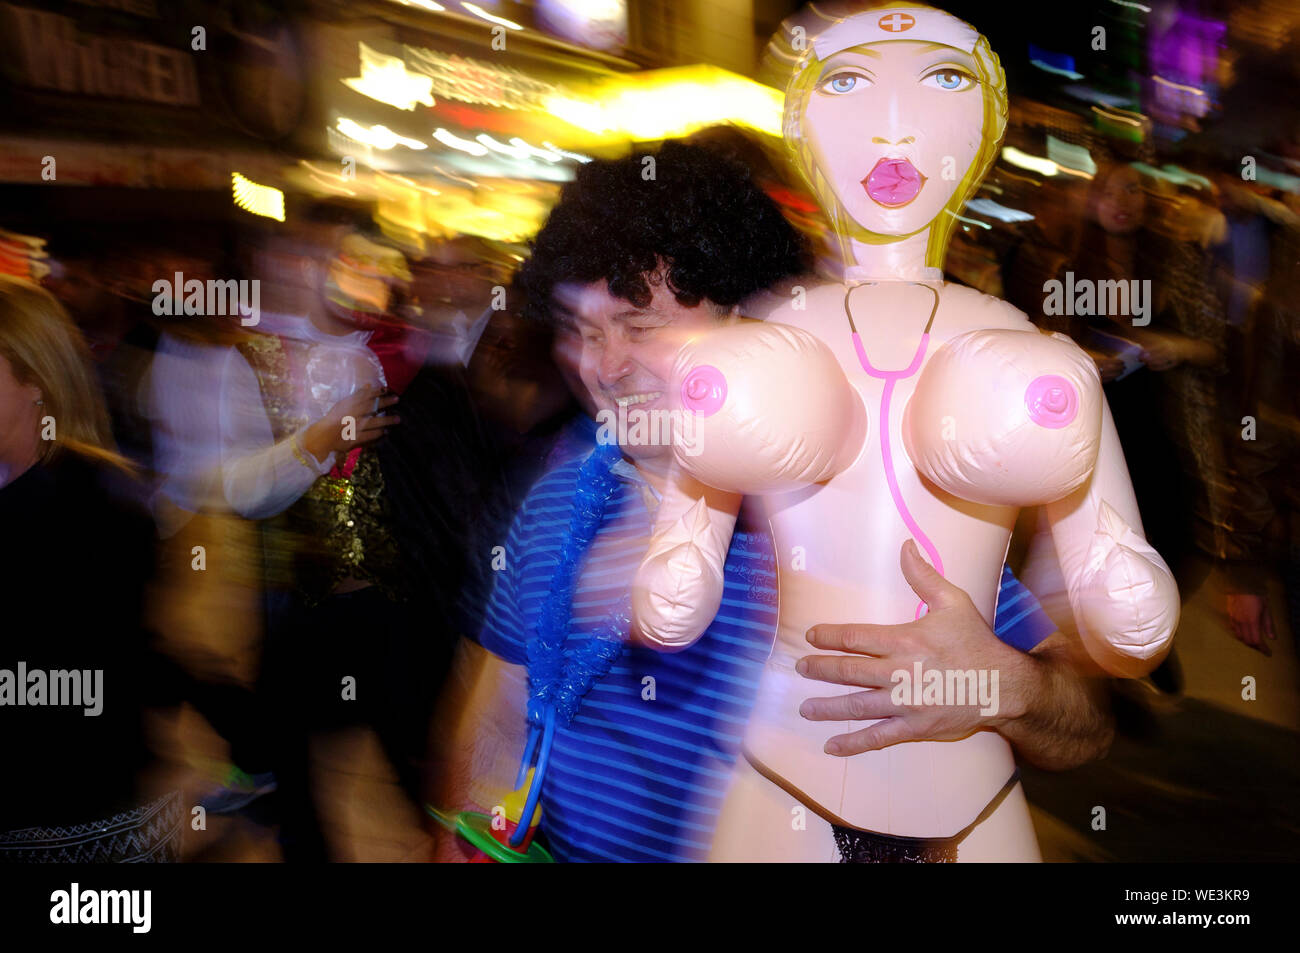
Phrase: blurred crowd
[1197,385]
[285,506]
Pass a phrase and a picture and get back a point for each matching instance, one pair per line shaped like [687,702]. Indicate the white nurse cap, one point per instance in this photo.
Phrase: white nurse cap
[921,24]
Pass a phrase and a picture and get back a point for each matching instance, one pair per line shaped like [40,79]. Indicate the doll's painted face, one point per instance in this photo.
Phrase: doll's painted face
[894,127]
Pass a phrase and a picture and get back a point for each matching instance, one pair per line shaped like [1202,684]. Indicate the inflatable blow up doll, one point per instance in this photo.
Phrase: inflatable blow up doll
[883,407]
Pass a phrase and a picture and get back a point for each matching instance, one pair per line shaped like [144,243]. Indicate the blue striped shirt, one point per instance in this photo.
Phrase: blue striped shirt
[641,773]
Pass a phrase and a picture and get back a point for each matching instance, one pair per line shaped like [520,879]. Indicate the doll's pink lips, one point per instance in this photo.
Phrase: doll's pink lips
[893,182]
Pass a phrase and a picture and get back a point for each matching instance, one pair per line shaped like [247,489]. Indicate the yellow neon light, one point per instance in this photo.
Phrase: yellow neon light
[1024,160]
[1113,114]
[672,102]
[408,182]
[259,199]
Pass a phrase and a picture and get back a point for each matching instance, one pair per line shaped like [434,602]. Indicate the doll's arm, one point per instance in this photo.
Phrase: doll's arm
[1123,595]
[678,587]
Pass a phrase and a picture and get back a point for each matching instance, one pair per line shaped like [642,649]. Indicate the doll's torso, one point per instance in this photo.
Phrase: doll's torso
[838,546]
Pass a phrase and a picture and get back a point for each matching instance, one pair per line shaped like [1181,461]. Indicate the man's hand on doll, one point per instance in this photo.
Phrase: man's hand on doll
[952,636]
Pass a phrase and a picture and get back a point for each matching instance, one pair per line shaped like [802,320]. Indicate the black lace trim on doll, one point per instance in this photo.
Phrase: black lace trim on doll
[863,847]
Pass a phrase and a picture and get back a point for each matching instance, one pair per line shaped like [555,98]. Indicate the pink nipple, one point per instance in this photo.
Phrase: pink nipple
[704,390]
[1052,401]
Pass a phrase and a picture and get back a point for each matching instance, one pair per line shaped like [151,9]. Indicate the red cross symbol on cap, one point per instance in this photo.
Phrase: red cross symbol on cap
[897,22]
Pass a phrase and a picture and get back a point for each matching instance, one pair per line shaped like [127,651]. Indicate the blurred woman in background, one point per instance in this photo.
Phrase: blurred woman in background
[74,569]
[1159,376]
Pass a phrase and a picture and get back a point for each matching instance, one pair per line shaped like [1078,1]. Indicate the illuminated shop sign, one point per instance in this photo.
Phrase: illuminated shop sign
[472,81]
[421,76]
[53,54]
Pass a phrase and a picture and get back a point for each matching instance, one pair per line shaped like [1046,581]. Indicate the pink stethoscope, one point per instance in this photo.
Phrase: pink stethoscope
[891,378]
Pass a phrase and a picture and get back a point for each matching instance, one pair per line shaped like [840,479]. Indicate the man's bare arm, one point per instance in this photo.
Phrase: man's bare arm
[1059,718]
[478,737]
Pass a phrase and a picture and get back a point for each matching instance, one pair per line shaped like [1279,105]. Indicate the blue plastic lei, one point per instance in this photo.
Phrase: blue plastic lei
[557,684]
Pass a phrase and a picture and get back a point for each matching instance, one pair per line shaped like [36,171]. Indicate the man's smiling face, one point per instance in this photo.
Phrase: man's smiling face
[627,352]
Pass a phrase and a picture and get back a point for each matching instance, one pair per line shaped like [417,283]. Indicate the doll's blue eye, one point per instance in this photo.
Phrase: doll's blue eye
[843,83]
[951,79]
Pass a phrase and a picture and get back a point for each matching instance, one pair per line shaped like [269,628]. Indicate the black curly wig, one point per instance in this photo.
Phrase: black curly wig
[701,224]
